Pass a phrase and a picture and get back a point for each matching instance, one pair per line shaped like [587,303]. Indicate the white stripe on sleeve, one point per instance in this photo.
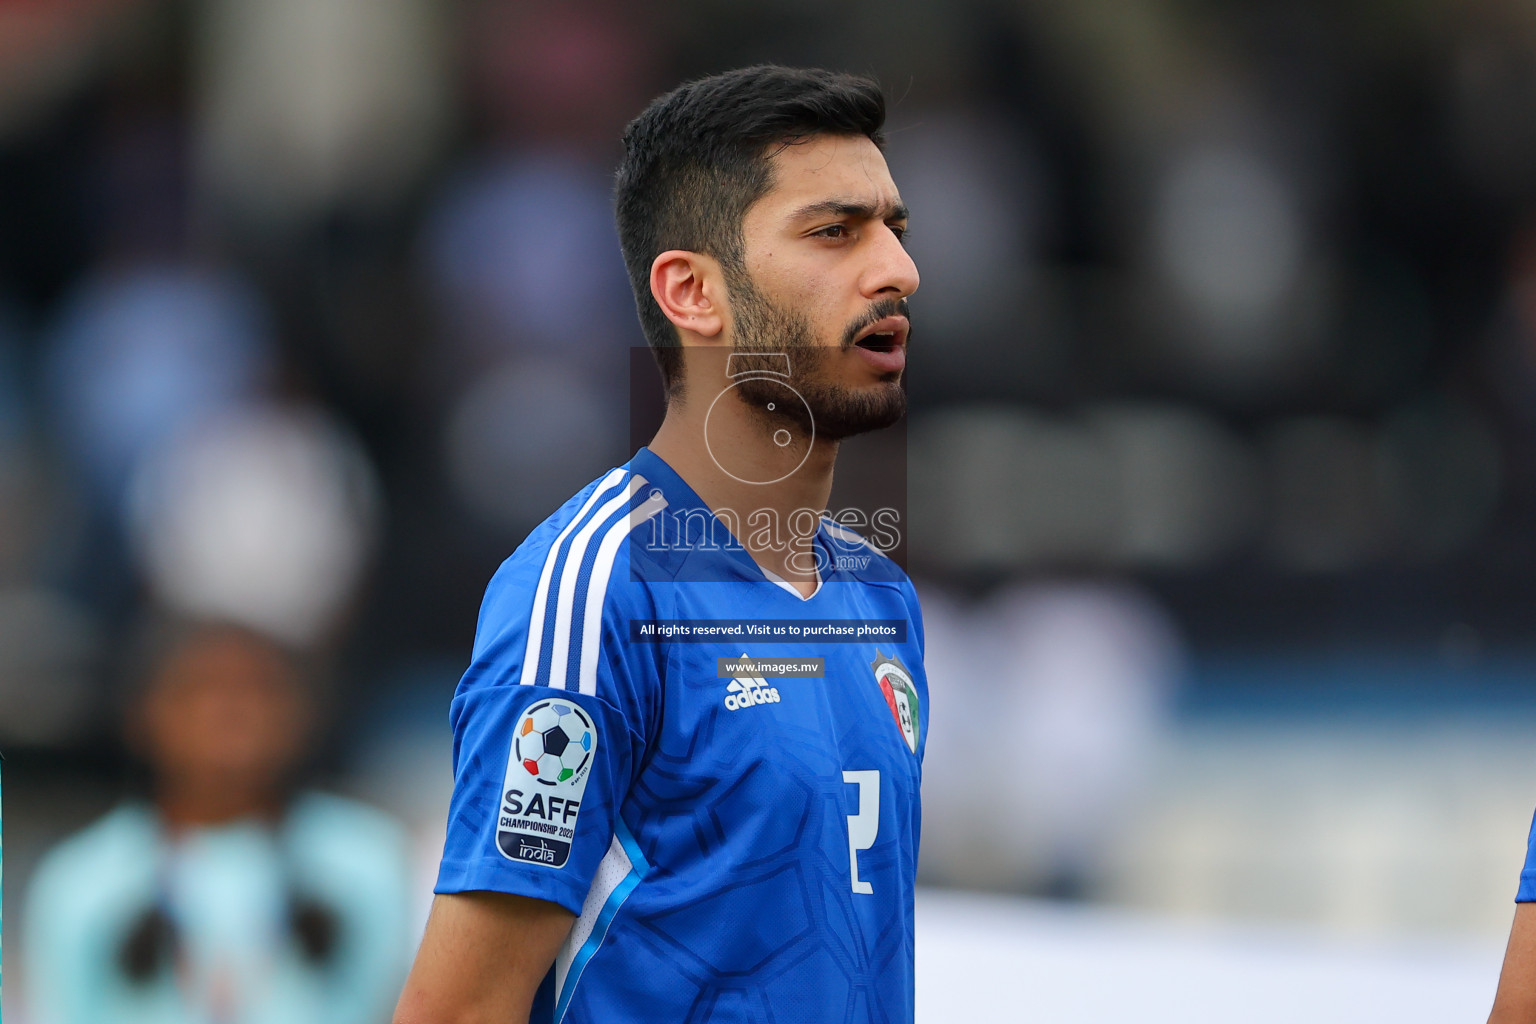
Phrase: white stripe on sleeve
[597,587]
[560,645]
[536,618]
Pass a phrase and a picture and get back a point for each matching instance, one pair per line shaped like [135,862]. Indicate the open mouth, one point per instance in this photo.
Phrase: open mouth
[878,342]
[885,335]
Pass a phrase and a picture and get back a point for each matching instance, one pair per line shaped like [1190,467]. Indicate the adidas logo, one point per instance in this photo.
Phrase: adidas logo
[744,693]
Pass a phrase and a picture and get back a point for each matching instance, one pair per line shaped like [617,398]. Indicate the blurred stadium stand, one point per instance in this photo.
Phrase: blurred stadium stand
[1222,464]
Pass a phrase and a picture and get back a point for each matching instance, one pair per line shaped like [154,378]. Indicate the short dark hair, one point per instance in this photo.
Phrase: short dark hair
[698,157]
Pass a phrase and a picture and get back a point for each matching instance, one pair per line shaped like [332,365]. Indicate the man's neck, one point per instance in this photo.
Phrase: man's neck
[184,804]
[741,449]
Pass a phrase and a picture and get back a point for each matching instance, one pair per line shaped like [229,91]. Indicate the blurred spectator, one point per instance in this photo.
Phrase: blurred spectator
[47,49]
[1127,485]
[233,894]
[521,247]
[523,259]
[519,434]
[264,516]
[1009,489]
[1326,511]
[979,197]
[1492,93]
[1050,701]
[143,354]
[312,107]
[1239,283]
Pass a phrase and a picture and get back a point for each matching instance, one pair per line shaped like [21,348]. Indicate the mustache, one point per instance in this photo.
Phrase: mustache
[878,311]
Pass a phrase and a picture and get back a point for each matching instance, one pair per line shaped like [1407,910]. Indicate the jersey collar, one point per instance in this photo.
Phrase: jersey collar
[682,499]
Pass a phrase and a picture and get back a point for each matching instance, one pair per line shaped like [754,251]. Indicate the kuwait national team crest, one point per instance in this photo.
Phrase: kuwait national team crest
[547,770]
[900,696]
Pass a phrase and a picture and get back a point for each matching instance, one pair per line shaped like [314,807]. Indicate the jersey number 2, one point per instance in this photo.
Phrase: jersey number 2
[863,827]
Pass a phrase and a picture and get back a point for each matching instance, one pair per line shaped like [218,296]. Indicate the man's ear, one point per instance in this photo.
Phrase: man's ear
[690,289]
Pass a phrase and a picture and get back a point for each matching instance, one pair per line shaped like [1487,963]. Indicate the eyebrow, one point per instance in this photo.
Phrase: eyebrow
[853,208]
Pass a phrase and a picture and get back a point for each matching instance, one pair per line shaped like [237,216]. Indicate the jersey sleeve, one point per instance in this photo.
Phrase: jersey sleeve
[1527,891]
[550,724]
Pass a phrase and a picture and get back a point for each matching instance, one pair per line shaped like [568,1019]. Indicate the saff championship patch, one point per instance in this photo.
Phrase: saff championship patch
[900,696]
[547,771]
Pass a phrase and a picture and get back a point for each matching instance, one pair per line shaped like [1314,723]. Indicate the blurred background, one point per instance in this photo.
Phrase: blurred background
[1222,442]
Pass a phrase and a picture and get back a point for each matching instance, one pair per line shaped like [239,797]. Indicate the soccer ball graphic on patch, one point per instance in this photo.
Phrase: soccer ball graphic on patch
[553,741]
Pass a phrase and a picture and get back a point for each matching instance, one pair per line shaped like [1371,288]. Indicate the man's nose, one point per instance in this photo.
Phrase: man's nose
[892,273]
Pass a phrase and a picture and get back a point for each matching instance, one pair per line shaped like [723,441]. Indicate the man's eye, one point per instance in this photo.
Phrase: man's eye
[834,231]
[899,231]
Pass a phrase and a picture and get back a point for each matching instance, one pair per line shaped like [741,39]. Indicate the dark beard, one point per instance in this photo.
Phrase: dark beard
[831,411]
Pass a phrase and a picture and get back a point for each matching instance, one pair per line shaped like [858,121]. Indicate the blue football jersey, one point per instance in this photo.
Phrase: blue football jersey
[736,847]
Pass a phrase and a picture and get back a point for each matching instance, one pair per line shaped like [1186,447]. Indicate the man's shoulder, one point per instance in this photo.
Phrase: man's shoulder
[583,535]
[323,819]
[116,851]
[546,606]
[347,840]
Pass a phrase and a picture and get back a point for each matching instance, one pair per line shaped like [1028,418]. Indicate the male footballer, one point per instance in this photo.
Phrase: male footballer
[650,822]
